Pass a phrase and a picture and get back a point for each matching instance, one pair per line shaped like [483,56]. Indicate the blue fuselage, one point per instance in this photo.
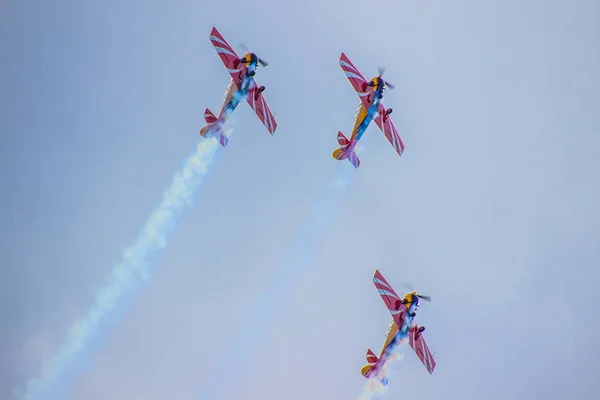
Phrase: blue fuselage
[371,113]
[404,329]
[242,90]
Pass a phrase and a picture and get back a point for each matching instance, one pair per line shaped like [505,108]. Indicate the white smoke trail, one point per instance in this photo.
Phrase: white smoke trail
[126,276]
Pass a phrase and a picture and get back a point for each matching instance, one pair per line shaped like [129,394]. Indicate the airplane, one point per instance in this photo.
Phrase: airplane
[242,85]
[402,326]
[370,108]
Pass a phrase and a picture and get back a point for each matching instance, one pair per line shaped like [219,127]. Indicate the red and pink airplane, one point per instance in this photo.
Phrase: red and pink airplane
[403,311]
[370,108]
[242,85]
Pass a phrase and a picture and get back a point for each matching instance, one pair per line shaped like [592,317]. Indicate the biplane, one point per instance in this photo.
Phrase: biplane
[403,311]
[241,86]
[370,108]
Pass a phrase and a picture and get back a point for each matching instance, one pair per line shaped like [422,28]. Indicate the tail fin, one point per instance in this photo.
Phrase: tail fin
[209,117]
[371,364]
[342,140]
[353,158]
[223,139]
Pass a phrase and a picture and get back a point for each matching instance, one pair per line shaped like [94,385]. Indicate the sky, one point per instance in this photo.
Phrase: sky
[264,289]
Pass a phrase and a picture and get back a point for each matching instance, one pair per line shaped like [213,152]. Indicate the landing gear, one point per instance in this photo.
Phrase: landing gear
[258,92]
[412,314]
[251,73]
[387,113]
[419,331]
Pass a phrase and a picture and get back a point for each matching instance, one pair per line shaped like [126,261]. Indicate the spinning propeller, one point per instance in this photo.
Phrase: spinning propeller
[380,71]
[262,62]
[420,296]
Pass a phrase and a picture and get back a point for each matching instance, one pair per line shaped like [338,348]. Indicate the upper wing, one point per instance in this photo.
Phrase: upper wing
[228,56]
[418,344]
[389,130]
[358,82]
[258,103]
[391,299]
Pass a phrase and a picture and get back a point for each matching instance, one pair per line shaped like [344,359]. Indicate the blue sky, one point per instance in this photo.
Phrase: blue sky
[492,209]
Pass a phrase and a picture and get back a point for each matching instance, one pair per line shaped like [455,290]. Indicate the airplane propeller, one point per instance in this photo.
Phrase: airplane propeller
[262,62]
[380,71]
[423,297]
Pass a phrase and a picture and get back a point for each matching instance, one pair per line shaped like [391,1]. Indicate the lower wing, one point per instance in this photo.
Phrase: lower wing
[418,344]
[258,103]
[389,130]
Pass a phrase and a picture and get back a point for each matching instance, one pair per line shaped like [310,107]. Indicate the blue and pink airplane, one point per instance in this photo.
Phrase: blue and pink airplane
[241,86]
[370,108]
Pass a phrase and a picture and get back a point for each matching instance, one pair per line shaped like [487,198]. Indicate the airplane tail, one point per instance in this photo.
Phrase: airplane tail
[342,153]
[371,364]
[213,129]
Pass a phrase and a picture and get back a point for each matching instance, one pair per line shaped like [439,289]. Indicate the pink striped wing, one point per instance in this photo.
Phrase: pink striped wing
[228,56]
[390,298]
[418,344]
[389,130]
[358,82]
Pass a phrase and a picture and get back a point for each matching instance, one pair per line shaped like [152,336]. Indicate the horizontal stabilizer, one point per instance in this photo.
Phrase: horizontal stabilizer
[209,117]
[354,160]
[371,357]
[342,140]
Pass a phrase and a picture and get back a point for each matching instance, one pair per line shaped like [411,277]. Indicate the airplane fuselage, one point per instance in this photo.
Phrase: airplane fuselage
[372,113]
[245,86]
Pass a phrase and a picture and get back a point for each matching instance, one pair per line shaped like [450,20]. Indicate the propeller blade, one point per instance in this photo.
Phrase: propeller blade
[408,286]
[390,85]
[380,70]
[426,298]
[262,62]
[243,47]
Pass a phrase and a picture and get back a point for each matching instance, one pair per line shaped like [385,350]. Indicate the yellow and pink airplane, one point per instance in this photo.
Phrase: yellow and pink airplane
[403,311]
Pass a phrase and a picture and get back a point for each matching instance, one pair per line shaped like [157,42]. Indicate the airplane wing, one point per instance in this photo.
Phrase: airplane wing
[391,299]
[418,344]
[228,56]
[258,103]
[389,130]
[358,82]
